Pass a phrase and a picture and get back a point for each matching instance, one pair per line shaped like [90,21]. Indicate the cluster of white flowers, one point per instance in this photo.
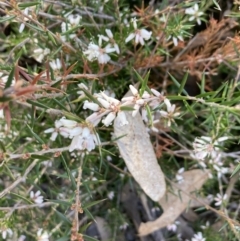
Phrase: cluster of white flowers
[139,34]
[106,109]
[205,147]
[82,137]
[194,14]
[112,108]
[95,51]
[100,53]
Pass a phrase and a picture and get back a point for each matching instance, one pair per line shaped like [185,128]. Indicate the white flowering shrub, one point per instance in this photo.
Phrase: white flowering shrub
[65,69]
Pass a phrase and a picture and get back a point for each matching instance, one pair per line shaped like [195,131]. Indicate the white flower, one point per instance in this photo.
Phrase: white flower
[110,195]
[109,158]
[198,237]
[200,161]
[135,99]
[219,199]
[22,25]
[202,147]
[122,118]
[175,39]
[112,41]
[179,177]
[160,97]
[86,140]
[1,114]
[163,19]
[112,107]
[42,235]
[6,232]
[123,226]
[207,225]
[139,34]
[92,52]
[62,126]
[173,227]
[217,163]
[74,19]
[54,133]
[109,39]
[37,198]
[194,11]
[170,114]
[39,54]
[96,52]
[56,64]
[47,163]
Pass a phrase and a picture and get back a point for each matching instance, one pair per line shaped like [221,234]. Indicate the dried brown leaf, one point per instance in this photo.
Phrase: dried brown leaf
[176,202]
[137,151]
[103,228]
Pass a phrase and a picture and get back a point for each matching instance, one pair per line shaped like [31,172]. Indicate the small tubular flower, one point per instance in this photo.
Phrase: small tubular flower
[90,105]
[122,118]
[108,120]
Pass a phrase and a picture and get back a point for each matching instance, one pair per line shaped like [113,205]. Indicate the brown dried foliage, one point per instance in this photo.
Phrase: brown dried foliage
[209,48]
